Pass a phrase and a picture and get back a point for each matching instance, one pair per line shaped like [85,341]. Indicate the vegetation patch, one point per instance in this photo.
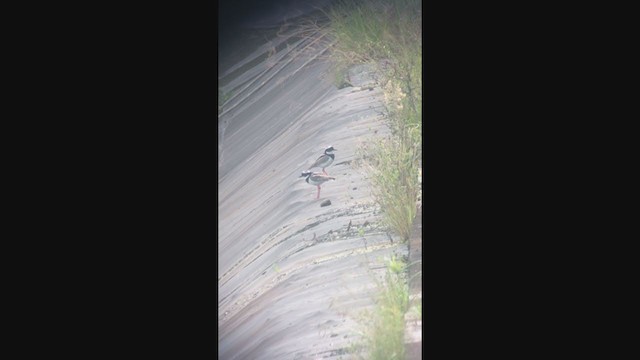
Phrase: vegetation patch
[382,329]
[387,34]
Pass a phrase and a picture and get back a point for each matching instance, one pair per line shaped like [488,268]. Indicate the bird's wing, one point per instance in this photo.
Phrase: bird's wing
[323,177]
[318,160]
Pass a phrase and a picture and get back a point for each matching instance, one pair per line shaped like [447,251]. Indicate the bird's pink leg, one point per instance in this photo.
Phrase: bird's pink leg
[324,171]
[318,197]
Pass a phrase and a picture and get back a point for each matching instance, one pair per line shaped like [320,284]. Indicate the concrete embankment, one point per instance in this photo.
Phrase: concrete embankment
[293,276]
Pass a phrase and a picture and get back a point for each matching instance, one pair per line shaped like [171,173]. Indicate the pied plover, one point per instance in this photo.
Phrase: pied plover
[316,179]
[324,160]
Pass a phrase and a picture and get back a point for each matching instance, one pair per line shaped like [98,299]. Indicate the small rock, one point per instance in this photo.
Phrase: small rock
[325,203]
[355,188]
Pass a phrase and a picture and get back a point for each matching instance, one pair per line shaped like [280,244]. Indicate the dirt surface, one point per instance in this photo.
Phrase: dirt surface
[293,276]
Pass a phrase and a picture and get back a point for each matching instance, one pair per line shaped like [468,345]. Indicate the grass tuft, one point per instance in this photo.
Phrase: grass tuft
[388,34]
[395,181]
[382,334]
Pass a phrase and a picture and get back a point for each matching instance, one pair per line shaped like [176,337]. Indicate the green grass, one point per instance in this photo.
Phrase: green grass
[388,35]
[375,29]
[382,335]
[392,170]
[388,32]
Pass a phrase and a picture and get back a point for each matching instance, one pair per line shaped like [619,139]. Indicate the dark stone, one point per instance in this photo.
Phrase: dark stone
[325,203]
[355,188]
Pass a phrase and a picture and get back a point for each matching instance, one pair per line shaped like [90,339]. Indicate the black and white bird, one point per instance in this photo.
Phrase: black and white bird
[316,179]
[325,160]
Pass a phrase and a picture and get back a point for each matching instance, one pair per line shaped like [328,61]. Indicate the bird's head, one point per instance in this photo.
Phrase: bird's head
[330,149]
[305,174]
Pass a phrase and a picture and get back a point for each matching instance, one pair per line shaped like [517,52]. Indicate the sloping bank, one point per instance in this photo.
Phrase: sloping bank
[293,276]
